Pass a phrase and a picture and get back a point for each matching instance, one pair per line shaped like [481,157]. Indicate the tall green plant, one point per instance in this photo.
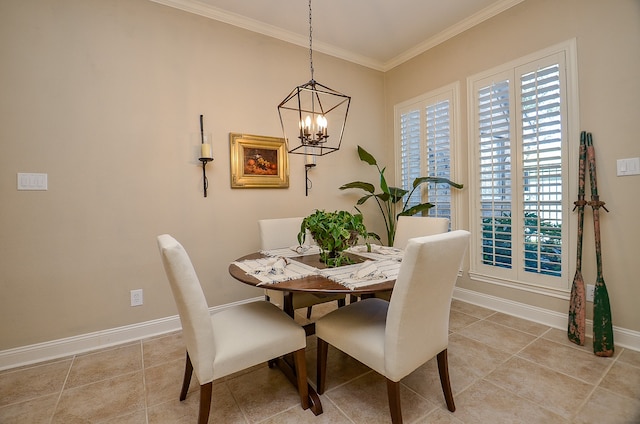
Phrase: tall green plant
[389,199]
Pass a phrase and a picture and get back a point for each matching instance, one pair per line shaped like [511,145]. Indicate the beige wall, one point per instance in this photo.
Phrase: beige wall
[104,96]
[608,42]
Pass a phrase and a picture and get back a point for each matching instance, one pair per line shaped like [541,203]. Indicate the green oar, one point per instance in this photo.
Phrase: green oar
[577,302]
[602,325]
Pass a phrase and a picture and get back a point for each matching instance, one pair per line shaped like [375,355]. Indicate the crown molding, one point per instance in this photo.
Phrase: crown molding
[198,8]
[460,27]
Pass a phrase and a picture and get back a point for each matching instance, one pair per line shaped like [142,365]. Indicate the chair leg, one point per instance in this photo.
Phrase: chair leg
[342,302]
[443,370]
[321,366]
[393,392]
[309,312]
[188,371]
[301,372]
[206,390]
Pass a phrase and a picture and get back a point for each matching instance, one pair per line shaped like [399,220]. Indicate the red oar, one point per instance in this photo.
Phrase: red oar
[577,302]
[602,325]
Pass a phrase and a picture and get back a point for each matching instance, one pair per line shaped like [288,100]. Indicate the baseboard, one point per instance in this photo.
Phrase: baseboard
[62,348]
[622,337]
[55,349]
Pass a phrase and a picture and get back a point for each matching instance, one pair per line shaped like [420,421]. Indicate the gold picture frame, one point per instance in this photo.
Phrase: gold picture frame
[258,161]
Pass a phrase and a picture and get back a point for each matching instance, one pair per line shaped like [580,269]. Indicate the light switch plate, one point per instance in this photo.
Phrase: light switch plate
[32,181]
[629,166]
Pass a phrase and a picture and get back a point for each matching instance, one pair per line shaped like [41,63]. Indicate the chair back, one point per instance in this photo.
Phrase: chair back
[418,226]
[280,232]
[417,327]
[197,329]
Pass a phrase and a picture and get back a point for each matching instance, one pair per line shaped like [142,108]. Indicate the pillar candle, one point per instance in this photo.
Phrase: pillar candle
[206,151]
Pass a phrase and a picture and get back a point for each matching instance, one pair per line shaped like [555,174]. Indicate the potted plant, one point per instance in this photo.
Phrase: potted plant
[334,232]
[389,197]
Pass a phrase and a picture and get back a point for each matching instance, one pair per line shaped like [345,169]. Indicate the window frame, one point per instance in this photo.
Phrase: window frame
[543,284]
[450,92]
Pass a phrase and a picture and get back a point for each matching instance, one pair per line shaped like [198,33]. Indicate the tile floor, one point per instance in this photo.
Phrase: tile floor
[503,370]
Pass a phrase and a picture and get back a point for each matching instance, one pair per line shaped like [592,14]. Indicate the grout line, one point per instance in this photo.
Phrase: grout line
[64,383]
[144,382]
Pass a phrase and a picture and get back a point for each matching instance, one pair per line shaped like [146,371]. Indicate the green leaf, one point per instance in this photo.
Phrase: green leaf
[364,199]
[366,156]
[397,193]
[437,180]
[417,208]
[368,187]
[383,182]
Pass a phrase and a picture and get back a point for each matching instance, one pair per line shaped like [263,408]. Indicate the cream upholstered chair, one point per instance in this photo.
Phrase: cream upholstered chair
[418,226]
[234,339]
[394,338]
[415,226]
[283,232]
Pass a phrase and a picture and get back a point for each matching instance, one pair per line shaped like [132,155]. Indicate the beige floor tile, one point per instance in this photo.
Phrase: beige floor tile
[263,393]
[560,336]
[623,379]
[296,415]
[631,357]
[92,367]
[340,368]
[164,382]
[36,411]
[471,309]
[459,320]
[224,409]
[557,392]
[607,407]
[574,362]
[32,382]
[476,357]
[519,324]
[101,401]
[159,350]
[439,416]
[136,417]
[364,400]
[497,336]
[426,381]
[486,403]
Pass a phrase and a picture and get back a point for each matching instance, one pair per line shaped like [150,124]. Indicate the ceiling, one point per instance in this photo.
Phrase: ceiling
[379,34]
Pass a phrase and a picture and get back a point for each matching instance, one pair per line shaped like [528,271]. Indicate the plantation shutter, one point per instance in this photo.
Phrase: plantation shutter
[410,151]
[494,176]
[438,131]
[540,97]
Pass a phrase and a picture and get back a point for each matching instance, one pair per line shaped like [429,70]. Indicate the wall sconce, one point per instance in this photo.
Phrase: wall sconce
[206,155]
[309,162]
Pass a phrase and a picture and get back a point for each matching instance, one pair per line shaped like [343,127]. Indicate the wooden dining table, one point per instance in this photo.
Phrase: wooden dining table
[315,284]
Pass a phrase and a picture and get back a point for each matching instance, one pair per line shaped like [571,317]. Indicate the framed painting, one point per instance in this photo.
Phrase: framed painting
[258,161]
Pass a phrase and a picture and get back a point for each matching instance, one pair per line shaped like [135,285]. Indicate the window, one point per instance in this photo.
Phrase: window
[519,130]
[425,139]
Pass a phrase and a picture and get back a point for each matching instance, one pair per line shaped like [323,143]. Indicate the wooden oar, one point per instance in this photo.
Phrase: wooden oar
[577,302]
[602,325]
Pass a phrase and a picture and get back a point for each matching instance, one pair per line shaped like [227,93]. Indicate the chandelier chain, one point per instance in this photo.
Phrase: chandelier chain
[310,43]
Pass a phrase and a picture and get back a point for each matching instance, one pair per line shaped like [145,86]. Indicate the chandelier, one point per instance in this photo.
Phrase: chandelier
[308,111]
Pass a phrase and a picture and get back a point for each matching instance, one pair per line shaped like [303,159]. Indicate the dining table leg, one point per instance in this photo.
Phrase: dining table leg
[286,364]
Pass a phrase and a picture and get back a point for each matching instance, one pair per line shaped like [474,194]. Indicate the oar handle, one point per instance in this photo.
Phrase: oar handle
[591,157]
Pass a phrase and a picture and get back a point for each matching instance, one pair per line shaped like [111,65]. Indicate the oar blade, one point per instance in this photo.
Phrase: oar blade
[577,310]
[602,325]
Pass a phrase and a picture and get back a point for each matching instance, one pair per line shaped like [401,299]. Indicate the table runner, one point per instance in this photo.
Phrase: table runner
[378,252]
[292,252]
[348,275]
[263,269]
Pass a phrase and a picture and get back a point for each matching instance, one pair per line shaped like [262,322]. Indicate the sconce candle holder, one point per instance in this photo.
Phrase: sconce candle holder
[206,155]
